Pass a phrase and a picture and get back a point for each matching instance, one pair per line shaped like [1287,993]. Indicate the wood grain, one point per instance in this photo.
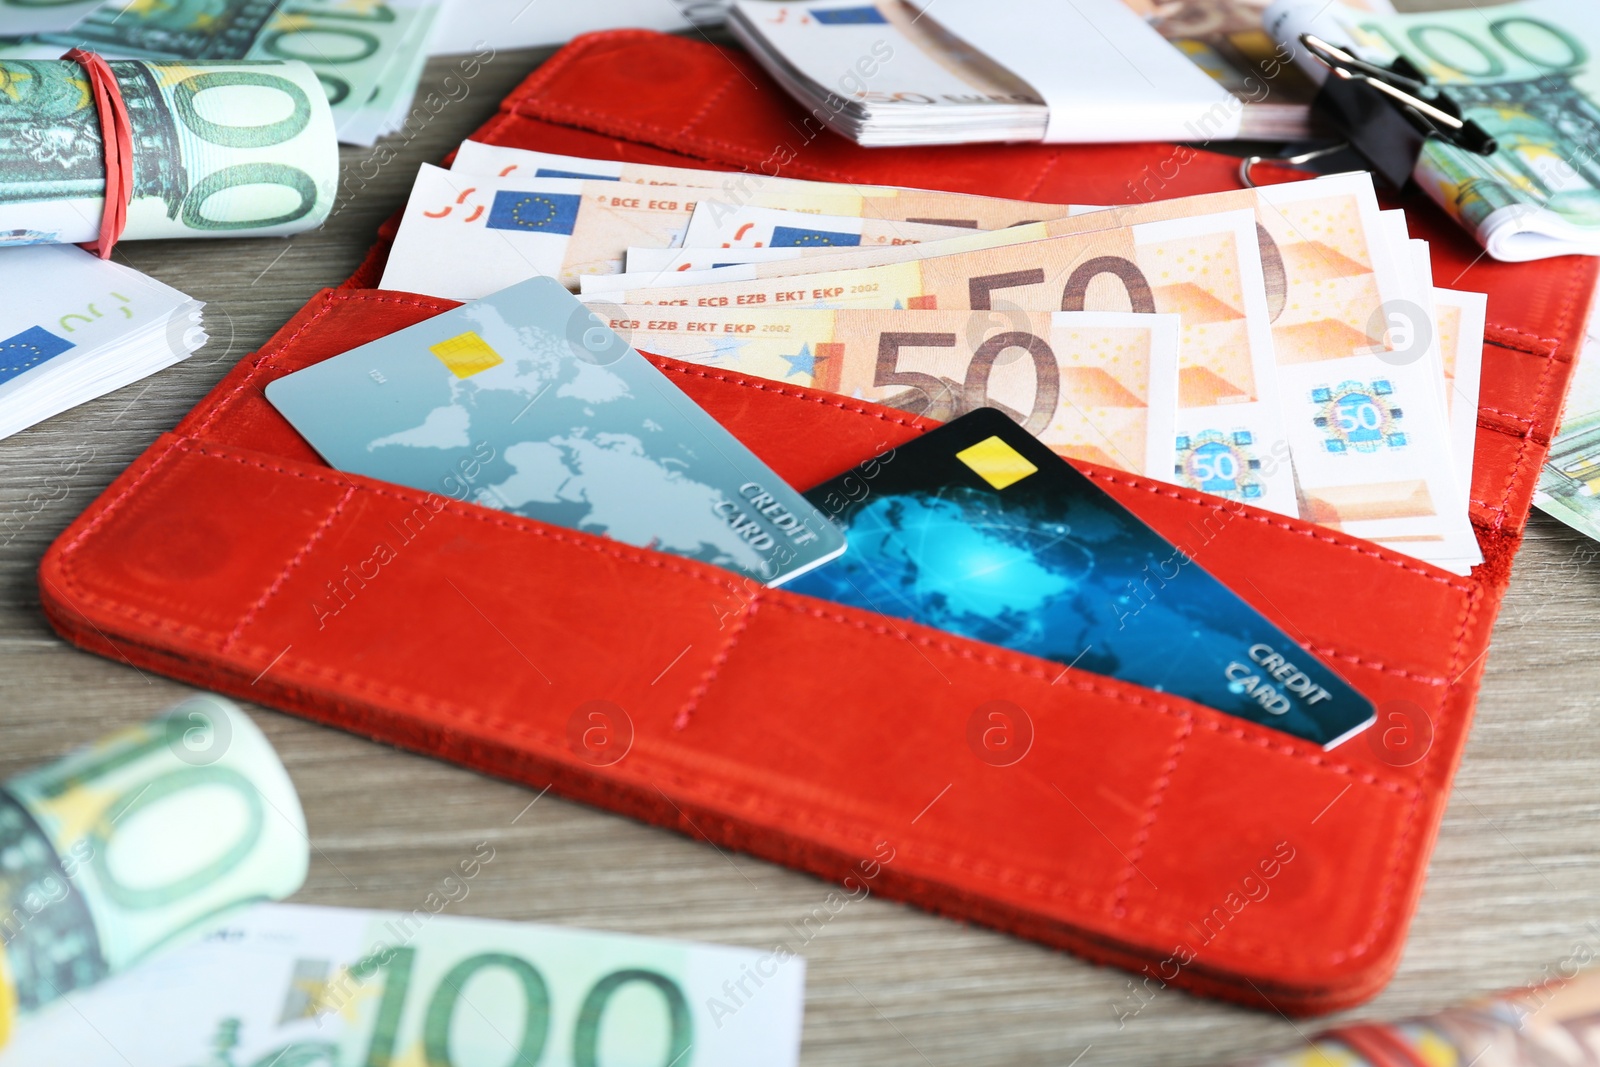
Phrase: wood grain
[1511,892]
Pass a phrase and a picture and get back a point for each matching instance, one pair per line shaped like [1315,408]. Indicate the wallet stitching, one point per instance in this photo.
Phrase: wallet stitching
[1152,812]
[681,721]
[1528,445]
[691,371]
[1523,419]
[1133,695]
[1013,663]
[711,101]
[1044,172]
[283,576]
[1550,344]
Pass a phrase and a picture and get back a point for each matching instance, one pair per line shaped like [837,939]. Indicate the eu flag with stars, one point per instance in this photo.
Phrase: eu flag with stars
[26,350]
[540,212]
[848,16]
[797,237]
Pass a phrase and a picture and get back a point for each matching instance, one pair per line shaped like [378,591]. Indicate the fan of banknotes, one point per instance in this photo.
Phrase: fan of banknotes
[1285,347]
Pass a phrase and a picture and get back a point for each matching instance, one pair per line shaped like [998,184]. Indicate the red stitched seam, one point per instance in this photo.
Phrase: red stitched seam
[1528,445]
[681,722]
[283,576]
[1044,171]
[1152,812]
[1553,343]
[689,370]
[711,100]
[1398,672]
[1507,414]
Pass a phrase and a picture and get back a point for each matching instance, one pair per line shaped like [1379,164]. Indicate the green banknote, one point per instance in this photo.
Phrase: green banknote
[364,51]
[219,150]
[1527,72]
[132,843]
[1569,484]
[291,986]
[42,16]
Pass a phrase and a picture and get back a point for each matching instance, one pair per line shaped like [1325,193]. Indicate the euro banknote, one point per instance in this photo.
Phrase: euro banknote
[295,986]
[1205,269]
[132,844]
[465,236]
[221,150]
[1551,1024]
[1525,72]
[1351,333]
[759,190]
[19,17]
[503,161]
[769,228]
[1095,386]
[1569,484]
[366,53]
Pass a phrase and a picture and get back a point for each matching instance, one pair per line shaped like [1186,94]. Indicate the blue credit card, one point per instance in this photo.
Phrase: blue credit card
[978,529]
[524,401]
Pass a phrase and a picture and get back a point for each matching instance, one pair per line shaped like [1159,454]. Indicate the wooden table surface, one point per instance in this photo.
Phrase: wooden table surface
[1511,892]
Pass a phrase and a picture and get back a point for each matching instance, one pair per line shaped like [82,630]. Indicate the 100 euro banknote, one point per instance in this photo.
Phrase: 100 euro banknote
[223,150]
[1095,386]
[293,986]
[1525,72]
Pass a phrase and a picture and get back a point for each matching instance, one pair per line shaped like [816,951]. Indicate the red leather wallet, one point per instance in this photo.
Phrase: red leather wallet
[1138,829]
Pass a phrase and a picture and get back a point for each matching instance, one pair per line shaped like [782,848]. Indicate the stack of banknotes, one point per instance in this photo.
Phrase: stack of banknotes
[131,936]
[74,327]
[898,72]
[1284,347]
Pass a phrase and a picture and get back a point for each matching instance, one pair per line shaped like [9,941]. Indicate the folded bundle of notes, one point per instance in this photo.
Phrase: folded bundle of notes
[1283,348]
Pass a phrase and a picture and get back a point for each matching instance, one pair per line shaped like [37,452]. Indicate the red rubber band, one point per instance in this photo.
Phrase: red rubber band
[116,132]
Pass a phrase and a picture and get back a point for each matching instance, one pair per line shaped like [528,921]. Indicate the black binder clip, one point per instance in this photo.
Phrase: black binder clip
[1388,113]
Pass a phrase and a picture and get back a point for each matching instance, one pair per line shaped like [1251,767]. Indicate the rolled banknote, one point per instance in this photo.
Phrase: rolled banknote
[289,986]
[1555,1023]
[130,844]
[219,150]
[1096,386]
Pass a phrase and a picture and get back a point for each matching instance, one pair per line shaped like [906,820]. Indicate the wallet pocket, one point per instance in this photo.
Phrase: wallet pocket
[849,744]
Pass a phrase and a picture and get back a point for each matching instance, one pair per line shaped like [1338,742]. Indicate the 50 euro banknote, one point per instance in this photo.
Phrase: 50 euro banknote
[463,236]
[1205,269]
[1095,386]
[1337,286]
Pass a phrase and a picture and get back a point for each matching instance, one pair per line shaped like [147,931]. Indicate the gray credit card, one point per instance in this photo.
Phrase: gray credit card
[526,402]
